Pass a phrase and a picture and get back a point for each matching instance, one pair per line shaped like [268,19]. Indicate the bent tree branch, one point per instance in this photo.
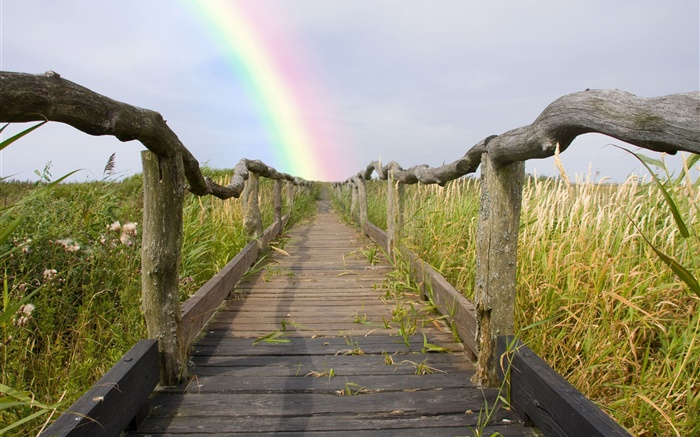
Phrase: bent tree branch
[664,124]
[27,97]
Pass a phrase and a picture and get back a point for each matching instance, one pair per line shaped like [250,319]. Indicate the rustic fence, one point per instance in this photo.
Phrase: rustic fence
[169,170]
[664,124]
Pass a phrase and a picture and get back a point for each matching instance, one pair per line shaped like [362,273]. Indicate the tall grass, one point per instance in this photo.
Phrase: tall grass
[85,269]
[616,321]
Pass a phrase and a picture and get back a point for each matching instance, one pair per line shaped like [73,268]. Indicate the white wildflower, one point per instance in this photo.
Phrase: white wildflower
[116,226]
[49,274]
[129,228]
[24,314]
[25,246]
[69,245]
[125,239]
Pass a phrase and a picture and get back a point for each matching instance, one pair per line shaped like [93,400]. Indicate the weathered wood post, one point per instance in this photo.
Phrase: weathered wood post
[163,195]
[338,190]
[353,200]
[252,221]
[394,213]
[496,258]
[277,201]
[290,196]
[361,199]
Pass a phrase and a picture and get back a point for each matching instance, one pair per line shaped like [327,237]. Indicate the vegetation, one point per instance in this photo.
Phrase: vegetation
[75,252]
[605,277]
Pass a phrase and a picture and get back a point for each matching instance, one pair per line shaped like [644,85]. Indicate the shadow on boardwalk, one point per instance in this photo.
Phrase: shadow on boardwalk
[333,362]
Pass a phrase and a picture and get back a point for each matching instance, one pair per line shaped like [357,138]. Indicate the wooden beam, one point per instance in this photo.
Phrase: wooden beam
[547,399]
[199,308]
[496,259]
[163,195]
[447,299]
[376,234]
[111,404]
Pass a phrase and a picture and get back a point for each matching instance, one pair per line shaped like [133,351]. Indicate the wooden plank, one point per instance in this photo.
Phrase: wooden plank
[317,346]
[448,401]
[350,425]
[359,331]
[349,366]
[222,384]
[111,404]
[547,399]
[318,362]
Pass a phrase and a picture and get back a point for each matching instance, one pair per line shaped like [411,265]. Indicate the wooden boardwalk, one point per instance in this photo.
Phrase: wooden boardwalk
[310,345]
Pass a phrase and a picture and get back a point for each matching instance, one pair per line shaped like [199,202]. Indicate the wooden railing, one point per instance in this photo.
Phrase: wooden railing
[169,170]
[118,401]
[665,124]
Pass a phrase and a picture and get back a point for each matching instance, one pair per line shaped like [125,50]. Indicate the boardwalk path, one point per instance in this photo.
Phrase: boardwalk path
[336,369]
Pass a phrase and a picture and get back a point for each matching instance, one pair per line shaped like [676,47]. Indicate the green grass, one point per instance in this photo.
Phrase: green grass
[616,321]
[87,313]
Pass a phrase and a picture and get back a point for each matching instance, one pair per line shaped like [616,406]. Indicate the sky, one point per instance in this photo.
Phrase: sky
[319,88]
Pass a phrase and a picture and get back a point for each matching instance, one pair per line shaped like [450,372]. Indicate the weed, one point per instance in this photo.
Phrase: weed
[429,347]
[87,290]
[388,359]
[354,349]
[273,337]
[351,389]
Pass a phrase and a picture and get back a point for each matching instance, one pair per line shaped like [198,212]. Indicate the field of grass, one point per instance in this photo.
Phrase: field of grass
[610,316]
[78,249]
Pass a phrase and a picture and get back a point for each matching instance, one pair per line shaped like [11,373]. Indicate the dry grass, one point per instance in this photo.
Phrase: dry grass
[622,327]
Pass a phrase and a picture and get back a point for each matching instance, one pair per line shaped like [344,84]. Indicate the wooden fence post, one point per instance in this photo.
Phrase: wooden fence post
[394,213]
[353,200]
[163,196]
[361,199]
[290,196]
[277,201]
[496,258]
[252,221]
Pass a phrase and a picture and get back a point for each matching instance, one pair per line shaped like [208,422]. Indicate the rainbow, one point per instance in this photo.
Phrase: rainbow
[282,83]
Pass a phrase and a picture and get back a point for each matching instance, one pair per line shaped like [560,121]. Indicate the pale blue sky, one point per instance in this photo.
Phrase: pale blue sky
[416,82]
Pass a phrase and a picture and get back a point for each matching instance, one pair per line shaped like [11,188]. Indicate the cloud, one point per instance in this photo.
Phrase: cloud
[415,82]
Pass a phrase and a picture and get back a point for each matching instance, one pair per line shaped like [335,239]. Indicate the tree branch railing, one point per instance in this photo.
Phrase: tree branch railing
[666,124]
[169,169]
[28,97]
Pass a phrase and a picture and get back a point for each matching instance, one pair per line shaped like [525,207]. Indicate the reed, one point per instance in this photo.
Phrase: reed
[609,315]
[79,250]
